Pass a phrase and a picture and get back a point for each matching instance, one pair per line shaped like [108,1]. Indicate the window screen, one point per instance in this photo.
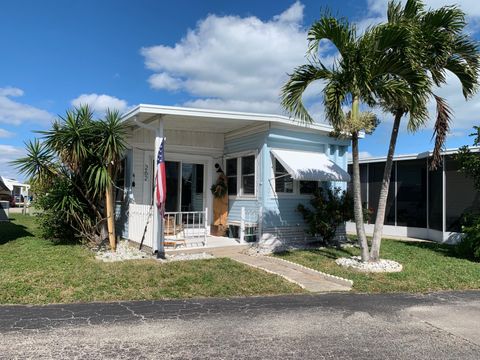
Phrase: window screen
[248,175]
[308,187]
[435,199]
[363,183]
[412,193]
[232,176]
[462,198]
[283,181]
[375,177]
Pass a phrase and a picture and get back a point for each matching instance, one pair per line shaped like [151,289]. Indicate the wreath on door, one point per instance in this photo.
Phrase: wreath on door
[219,189]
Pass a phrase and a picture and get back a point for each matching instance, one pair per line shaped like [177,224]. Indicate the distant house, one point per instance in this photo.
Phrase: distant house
[16,188]
[421,203]
[4,190]
[272,164]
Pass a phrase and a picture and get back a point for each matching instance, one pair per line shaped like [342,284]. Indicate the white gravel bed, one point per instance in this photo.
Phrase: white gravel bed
[381,266]
[184,257]
[124,252]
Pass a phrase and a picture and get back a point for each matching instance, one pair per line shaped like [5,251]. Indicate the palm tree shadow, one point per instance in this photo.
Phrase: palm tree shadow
[10,231]
[446,250]
[327,252]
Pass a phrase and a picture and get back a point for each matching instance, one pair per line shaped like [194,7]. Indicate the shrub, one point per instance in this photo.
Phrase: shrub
[469,247]
[469,163]
[328,209]
[60,209]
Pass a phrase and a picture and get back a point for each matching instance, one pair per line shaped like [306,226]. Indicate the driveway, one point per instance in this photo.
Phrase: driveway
[334,325]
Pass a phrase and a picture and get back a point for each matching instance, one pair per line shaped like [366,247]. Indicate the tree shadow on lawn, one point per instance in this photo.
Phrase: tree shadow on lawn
[10,231]
[442,249]
[327,252]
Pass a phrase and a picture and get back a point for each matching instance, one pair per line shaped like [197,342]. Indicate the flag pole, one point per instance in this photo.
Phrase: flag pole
[158,221]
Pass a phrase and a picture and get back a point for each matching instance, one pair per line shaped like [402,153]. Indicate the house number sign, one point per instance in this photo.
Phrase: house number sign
[145,172]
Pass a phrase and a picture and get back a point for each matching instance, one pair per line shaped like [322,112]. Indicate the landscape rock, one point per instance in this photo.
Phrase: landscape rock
[380,266]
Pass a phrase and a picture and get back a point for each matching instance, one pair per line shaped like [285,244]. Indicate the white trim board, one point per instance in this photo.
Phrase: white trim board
[410,232]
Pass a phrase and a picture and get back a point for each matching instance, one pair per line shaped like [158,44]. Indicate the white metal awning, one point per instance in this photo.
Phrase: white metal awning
[307,165]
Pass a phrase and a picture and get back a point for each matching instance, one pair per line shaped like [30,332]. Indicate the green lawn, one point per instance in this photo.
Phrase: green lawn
[426,267]
[37,271]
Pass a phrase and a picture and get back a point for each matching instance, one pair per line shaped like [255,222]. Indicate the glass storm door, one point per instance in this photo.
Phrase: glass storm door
[185,186]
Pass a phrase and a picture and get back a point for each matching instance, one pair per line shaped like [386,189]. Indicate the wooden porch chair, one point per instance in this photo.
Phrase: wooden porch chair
[172,229]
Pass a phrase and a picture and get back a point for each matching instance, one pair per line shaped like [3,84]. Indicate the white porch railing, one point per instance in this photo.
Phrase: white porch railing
[186,225]
[250,225]
[179,227]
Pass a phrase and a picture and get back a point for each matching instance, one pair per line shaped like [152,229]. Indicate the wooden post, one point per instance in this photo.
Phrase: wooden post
[110,213]
[158,221]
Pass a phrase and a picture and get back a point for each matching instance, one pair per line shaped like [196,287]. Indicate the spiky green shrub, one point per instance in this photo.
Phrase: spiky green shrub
[328,209]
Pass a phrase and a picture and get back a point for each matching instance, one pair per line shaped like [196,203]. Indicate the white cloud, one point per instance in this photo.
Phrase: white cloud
[232,62]
[164,81]
[14,113]
[100,103]
[293,15]
[5,133]
[9,153]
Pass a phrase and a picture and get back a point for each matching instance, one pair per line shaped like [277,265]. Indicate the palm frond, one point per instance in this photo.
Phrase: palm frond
[334,96]
[338,31]
[466,75]
[111,134]
[38,164]
[299,80]
[97,179]
[441,129]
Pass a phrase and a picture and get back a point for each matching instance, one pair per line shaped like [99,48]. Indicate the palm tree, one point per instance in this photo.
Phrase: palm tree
[82,156]
[437,43]
[110,147]
[365,72]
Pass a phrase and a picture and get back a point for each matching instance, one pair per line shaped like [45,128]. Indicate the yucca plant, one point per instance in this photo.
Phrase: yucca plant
[75,167]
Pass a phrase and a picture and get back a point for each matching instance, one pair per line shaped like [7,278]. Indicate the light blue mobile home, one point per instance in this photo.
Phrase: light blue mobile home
[272,163]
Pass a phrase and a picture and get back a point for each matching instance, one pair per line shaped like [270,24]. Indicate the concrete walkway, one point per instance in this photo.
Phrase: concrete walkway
[308,279]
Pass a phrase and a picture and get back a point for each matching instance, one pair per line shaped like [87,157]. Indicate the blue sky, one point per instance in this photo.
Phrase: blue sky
[217,54]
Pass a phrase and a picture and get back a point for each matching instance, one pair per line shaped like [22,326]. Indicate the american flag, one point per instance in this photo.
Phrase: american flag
[161,182]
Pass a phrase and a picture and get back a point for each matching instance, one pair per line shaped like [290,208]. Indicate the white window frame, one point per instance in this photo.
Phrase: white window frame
[240,195]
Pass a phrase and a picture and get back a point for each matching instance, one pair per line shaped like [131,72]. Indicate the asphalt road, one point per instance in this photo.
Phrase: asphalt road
[332,326]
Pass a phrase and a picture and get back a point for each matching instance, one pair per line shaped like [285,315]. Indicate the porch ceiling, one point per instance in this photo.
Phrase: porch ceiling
[215,121]
[204,124]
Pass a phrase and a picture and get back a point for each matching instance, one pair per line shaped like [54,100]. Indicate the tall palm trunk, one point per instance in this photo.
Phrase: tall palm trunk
[357,195]
[382,201]
[109,211]
[357,201]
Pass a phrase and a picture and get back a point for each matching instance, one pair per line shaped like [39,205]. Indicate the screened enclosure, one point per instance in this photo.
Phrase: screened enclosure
[419,197]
